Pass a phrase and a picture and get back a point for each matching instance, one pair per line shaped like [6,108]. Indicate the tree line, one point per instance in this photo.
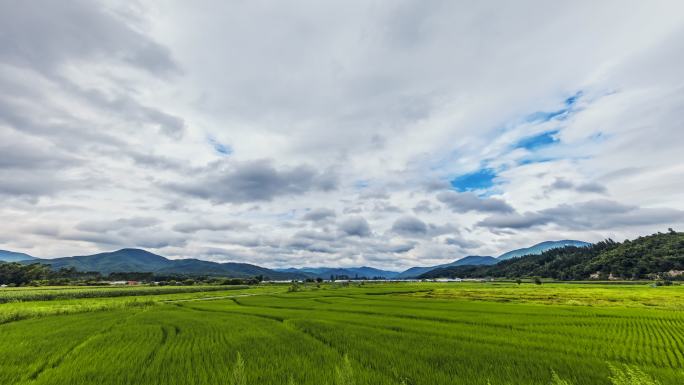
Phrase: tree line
[18,274]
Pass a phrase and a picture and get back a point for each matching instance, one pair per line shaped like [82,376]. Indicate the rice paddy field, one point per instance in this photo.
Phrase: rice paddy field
[398,333]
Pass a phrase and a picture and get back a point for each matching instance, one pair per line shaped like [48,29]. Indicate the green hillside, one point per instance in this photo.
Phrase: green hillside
[136,260]
[542,247]
[11,256]
[644,257]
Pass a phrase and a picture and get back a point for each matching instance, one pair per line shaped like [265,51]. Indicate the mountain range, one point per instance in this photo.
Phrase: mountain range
[136,260]
[11,256]
[351,272]
[476,260]
[656,255]
[541,247]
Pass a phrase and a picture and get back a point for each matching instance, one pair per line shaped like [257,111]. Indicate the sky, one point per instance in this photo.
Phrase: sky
[337,133]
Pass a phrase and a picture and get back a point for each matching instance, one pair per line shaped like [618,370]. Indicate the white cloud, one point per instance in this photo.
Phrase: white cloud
[343,118]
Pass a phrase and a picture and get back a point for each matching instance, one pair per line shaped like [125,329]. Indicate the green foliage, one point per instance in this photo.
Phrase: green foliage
[294,287]
[20,274]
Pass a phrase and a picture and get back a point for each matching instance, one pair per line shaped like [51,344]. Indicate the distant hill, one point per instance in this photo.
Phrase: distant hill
[541,247]
[351,272]
[11,256]
[136,260]
[414,272]
[639,258]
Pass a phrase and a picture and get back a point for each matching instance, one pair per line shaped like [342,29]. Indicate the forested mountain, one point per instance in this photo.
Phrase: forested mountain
[541,247]
[478,260]
[639,258]
[414,272]
[136,260]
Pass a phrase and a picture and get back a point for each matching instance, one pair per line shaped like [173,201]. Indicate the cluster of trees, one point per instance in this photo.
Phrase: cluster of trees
[651,256]
[13,273]
[18,274]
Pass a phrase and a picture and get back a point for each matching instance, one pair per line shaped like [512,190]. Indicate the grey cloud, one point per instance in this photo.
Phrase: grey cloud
[18,155]
[374,194]
[594,214]
[424,206]
[437,230]
[592,187]
[131,110]
[319,214]
[385,207]
[44,229]
[154,161]
[462,243]
[315,235]
[118,224]
[33,168]
[467,201]
[587,187]
[355,226]
[49,34]
[146,238]
[561,184]
[305,244]
[352,210]
[199,225]
[396,248]
[437,185]
[41,43]
[514,220]
[241,182]
[409,226]
[33,184]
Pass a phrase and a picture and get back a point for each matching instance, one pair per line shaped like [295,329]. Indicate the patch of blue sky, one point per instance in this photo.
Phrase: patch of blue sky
[481,179]
[572,100]
[561,114]
[527,161]
[220,148]
[537,141]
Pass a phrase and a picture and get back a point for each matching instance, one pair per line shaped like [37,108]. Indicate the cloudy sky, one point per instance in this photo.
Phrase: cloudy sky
[337,133]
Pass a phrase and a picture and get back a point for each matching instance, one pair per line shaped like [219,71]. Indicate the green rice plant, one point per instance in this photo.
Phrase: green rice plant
[344,374]
[556,380]
[389,334]
[630,375]
[239,375]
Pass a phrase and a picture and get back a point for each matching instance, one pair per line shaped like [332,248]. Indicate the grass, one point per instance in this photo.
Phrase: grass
[413,334]
[52,293]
